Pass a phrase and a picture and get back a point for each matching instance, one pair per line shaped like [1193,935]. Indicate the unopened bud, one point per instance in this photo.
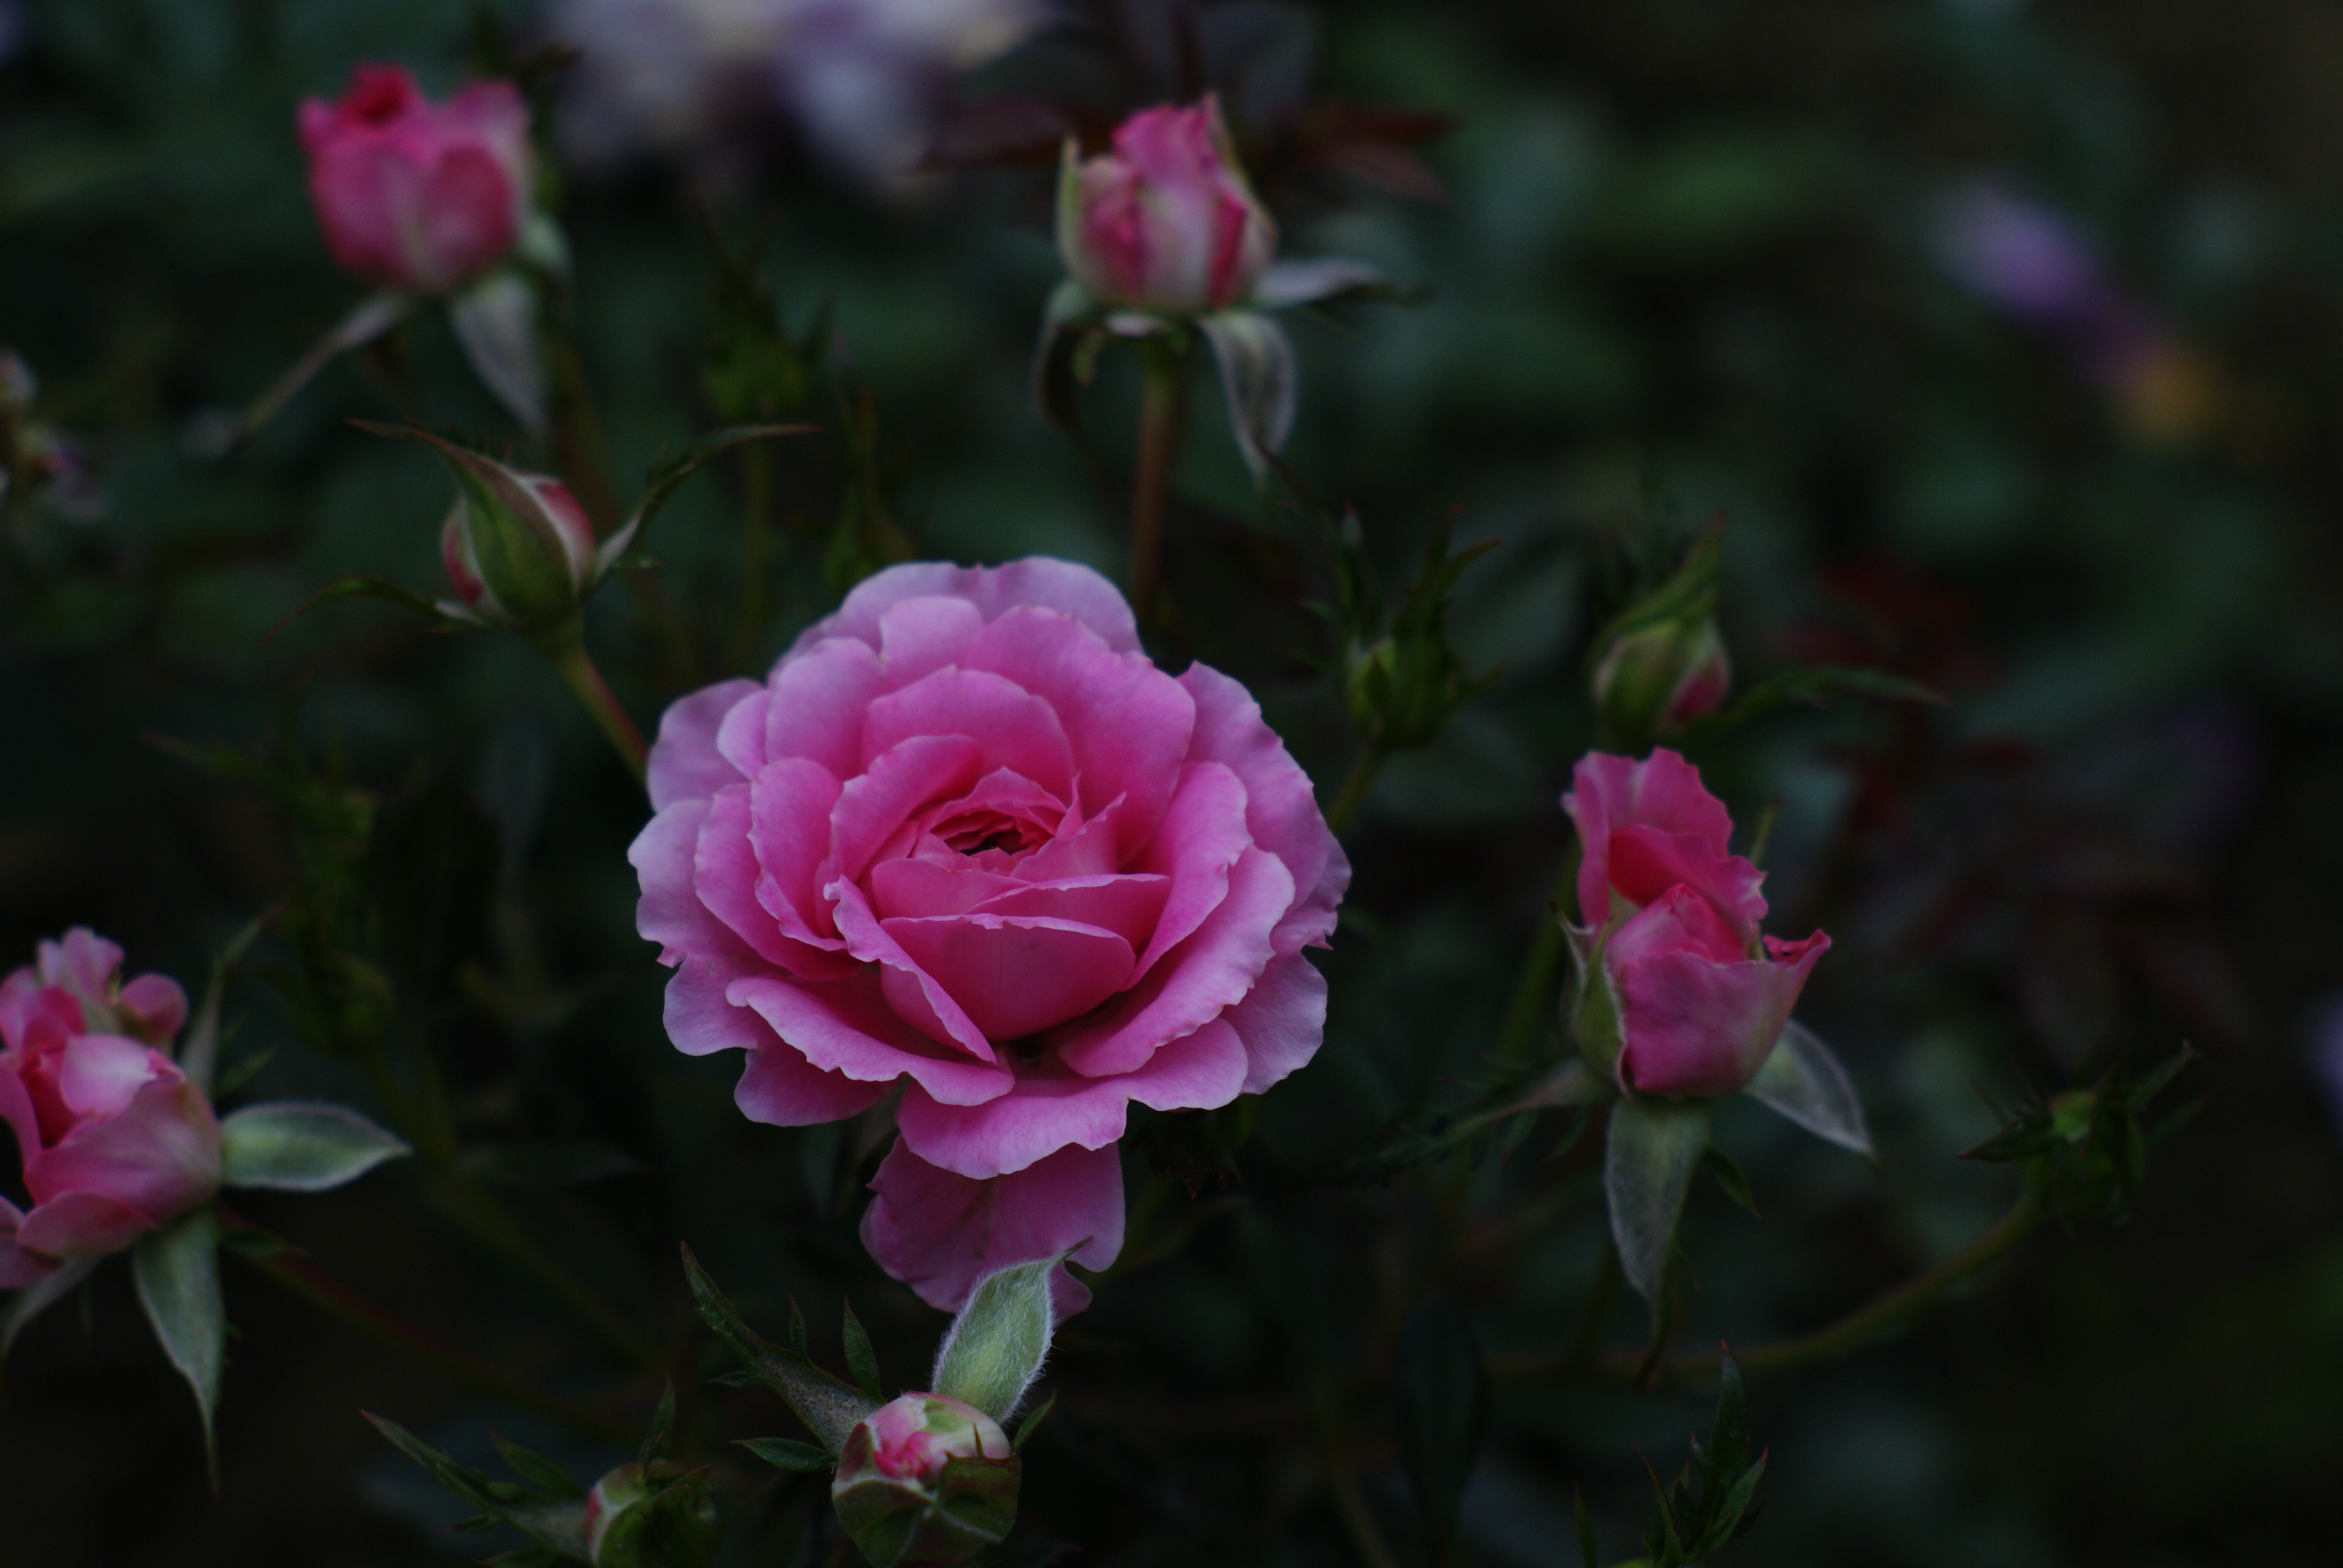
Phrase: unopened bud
[519,548]
[1656,680]
[926,1480]
[649,1516]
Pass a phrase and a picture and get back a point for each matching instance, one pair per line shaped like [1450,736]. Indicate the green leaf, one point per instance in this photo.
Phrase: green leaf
[1720,1165]
[861,1359]
[1259,381]
[1442,1394]
[1650,1153]
[1814,687]
[558,1528]
[995,1347]
[537,1469]
[789,1453]
[295,1146]
[363,585]
[39,1297]
[830,1408]
[1803,1082]
[177,1269]
[1025,1428]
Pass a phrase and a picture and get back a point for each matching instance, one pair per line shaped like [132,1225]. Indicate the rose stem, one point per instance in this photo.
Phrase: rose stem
[1533,1002]
[756,537]
[1354,792]
[345,1306]
[1850,1334]
[1162,409]
[576,666]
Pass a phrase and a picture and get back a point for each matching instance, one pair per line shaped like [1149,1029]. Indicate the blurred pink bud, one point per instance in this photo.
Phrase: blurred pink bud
[116,1140]
[520,551]
[926,1479]
[1683,995]
[418,196]
[1165,222]
[1659,679]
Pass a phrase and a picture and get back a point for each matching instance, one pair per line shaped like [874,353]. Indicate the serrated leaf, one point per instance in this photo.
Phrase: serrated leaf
[789,1453]
[861,1360]
[295,1146]
[537,1469]
[1728,1176]
[1650,1153]
[38,1297]
[1441,1392]
[830,1408]
[1803,1082]
[177,1269]
[995,1347]
[1025,1428]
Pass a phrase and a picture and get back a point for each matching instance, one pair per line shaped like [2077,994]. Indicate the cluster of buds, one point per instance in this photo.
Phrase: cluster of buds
[1401,680]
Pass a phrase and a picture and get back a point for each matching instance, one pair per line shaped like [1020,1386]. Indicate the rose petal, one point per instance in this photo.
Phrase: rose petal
[1608,792]
[1212,970]
[846,1026]
[97,1075]
[1281,810]
[1681,920]
[81,1225]
[724,872]
[161,1155]
[819,693]
[740,738]
[941,1234]
[1281,1021]
[1202,833]
[699,1015]
[1036,580]
[790,806]
[919,772]
[684,764]
[1693,1026]
[917,636]
[154,1007]
[915,886]
[83,962]
[916,996]
[1128,720]
[1645,862]
[1014,729]
[782,1088]
[1129,906]
[1046,1110]
[1016,975]
[670,913]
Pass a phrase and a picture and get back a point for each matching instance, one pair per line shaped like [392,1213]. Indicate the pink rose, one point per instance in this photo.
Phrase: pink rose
[1688,998]
[968,839]
[418,196]
[115,1140]
[925,1480]
[530,537]
[1165,222]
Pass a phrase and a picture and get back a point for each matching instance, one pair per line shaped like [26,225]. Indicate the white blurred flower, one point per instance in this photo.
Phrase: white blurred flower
[863,79]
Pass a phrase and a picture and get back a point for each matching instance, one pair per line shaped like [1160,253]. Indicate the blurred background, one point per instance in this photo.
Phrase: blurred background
[2007,338]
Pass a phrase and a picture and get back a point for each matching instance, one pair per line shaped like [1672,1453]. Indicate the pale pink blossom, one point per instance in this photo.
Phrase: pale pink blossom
[1164,222]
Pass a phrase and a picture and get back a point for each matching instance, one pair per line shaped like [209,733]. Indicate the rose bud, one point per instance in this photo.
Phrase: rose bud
[1656,680]
[417,196]
[518,546]
[1164,223]
[649,1516]
[926,1480]
[1679,995]
[116,1140]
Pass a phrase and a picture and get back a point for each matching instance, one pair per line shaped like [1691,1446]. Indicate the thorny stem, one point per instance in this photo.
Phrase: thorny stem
[345,1306]
[1162,409]
[1354,792]
[1892,1312]
[577,665]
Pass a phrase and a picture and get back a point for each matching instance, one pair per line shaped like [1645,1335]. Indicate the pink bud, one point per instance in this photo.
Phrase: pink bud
[1681,996]
[116,1140]
[926,1480]
[1165,222]
[418,196]
[520,553]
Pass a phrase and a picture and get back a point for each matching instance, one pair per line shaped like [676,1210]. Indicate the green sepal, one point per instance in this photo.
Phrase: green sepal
[995,1347]
[557,1526]
[1728,1176]
[1033,1418]
[295,1146]
[1650,1153]
[177,1269]
[830,1407]
[537,1469]
[789,1453]
[861,1360]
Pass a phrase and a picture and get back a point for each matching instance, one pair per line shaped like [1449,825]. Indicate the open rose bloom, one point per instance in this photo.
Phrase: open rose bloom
[115,1140]
[1693,998]
[417,196]
[967,841]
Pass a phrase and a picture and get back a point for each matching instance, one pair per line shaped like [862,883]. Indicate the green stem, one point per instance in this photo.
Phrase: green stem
[345,1306]
[1354,792]
[749,612]
[1533,991]
[577,665]
[1162,409]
